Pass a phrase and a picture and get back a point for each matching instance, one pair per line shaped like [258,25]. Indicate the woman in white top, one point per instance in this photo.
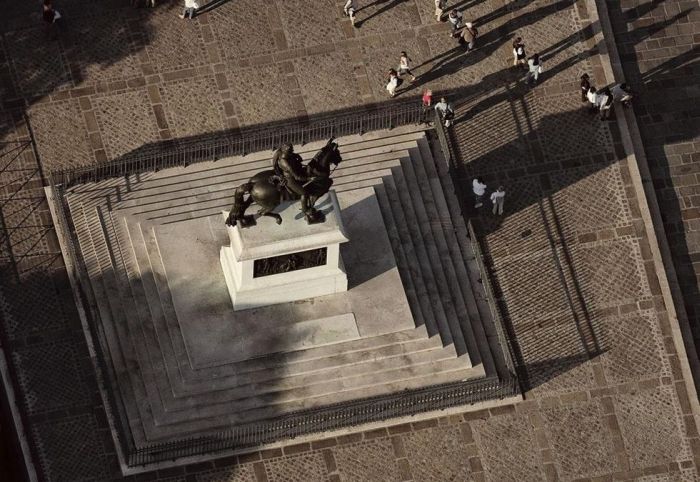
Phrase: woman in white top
[404,67]
[479,189]
[393,83]
[350,8]
[190,7]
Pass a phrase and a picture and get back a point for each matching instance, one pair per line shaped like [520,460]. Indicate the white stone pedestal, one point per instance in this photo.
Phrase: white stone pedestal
[268,239]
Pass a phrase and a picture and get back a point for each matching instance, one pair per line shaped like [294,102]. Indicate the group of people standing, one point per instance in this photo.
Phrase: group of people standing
[601,101]
[497,197]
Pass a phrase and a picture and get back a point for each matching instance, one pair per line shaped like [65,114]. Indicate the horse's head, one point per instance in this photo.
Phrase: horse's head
[329,154]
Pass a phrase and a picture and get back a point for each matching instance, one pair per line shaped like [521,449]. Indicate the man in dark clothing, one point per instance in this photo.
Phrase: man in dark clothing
[288,165]
[585,87]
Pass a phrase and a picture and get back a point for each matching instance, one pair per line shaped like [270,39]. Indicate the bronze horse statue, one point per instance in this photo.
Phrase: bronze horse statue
[288,180]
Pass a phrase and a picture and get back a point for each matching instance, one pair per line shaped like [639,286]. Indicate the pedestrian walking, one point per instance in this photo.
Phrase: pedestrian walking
[592,97]
[393,82]
[440,8]
[622,93]
[191,7]
[52,19]
[445,112]
[605,102]
[350,8]
[469,34]
[404,66]
[455,19]
[497,198]
[585,87]
[519,55]
[534,70]
[427,103]
[479,189]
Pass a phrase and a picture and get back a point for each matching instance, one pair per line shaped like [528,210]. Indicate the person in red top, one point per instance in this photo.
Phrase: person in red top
[427,102]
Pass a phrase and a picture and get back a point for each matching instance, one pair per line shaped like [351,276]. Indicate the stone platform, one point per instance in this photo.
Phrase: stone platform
[186,364]
[269,240]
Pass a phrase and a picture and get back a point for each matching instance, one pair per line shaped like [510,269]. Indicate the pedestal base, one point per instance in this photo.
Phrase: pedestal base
[281,288]
[268,264]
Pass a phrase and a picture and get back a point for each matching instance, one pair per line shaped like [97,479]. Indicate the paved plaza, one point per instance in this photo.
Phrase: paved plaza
[573,266]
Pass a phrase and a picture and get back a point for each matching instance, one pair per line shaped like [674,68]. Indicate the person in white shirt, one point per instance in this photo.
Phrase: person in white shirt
[393,83]
[445,111]
[592,96]
[439,8]
[479,189]
[605,102]
[497,198]
[350,8]
[190,7]
[404,67]
[534,67]
[455,18]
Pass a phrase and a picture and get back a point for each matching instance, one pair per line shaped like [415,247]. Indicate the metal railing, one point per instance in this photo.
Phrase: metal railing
[75,265]
[504,341]
[405,403]
[184,152]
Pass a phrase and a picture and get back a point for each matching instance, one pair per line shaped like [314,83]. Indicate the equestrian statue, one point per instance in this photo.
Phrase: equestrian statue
[289,179]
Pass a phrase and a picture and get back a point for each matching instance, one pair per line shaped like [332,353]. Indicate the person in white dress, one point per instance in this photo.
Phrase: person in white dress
[191,7]
[404,66]
[479,189]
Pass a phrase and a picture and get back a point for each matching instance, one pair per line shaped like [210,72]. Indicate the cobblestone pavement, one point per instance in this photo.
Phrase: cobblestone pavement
[576,283]
[663,67]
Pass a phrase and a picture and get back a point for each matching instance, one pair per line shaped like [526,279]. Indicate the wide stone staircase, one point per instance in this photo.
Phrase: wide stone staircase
[166,396]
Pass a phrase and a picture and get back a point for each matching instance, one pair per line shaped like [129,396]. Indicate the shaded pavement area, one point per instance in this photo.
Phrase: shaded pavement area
[570,259]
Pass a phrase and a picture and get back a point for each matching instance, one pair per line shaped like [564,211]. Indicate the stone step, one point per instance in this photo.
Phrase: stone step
[211,426]
[203,197]
[114,189]
[222,179]
[443,267]
[406,271]
[124,362]
[455,270]
[414,209]
[348,143]
[170,179]
[381,346]
[401,207]
[108,338]
[279,402]
[439,169]
[260,384]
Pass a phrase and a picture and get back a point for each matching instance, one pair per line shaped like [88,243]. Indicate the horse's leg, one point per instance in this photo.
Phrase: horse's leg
[267,206]
[240,204]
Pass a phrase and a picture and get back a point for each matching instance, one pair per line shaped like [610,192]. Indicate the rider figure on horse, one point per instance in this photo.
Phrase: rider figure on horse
[288,165]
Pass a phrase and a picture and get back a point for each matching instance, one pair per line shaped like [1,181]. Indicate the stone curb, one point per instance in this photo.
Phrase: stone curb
[18,426]
[648,206]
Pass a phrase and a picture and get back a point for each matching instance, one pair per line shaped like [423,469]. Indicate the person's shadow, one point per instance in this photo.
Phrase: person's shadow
[391,4]
[214,4]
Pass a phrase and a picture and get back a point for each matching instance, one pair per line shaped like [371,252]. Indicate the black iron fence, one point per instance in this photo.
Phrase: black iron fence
[187,152]
[406,403]
[184,152]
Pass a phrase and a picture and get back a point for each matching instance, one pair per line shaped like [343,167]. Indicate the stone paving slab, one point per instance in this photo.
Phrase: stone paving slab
[618,411]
